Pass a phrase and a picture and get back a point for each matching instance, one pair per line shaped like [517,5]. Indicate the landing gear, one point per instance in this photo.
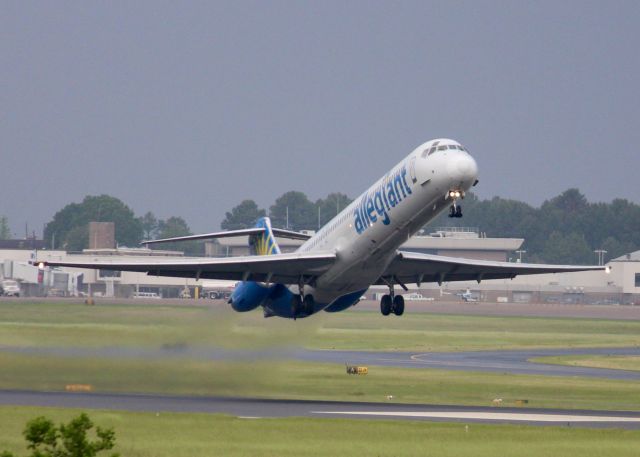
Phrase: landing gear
[308,304]
[398,305]
[392,303]
[455,210]
[386,303]
[302,305]
[296,306]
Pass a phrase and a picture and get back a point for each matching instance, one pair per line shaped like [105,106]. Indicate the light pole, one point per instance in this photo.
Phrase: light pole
[600,253]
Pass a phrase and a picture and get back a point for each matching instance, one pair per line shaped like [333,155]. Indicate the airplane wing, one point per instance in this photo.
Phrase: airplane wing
[413,267]
[282,268]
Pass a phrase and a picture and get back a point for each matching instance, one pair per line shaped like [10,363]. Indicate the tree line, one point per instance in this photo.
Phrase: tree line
[564,229]
[69,228]
[292,210]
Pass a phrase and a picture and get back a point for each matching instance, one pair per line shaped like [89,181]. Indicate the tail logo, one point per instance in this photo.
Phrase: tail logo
[264,243]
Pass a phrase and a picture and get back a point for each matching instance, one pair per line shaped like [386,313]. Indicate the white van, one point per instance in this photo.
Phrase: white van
[146,295]
[10,288]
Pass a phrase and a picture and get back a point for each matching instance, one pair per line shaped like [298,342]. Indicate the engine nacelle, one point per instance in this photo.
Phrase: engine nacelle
[247,296]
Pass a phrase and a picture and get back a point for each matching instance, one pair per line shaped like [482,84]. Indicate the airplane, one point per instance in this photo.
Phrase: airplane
[467,296]
[358,248]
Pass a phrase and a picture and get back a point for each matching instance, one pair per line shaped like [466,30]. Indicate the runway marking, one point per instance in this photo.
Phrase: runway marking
[479,415]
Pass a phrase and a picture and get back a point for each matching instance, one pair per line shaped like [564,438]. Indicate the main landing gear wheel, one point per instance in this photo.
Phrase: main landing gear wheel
[308,305]
[296,305]
[385,305]
[398,305]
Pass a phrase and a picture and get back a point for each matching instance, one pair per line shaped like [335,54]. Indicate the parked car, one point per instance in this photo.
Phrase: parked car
[10,288]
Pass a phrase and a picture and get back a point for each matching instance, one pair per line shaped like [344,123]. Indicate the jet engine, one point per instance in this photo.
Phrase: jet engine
[248,296]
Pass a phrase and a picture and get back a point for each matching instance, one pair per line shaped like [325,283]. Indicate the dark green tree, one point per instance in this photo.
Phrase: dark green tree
[584,226]
[149,225]
[66,229]
[330,206]
[66,440]
[242,216]
[295,209]
[173,227]
[5,231]
[571,248]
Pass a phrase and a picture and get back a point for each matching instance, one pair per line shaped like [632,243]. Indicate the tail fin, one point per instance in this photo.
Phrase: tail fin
[263,243]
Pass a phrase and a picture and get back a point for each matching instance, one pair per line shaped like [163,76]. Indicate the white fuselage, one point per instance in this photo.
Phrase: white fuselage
[366,234]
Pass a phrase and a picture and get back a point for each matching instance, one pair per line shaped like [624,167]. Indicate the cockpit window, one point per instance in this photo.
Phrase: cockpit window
[442,148]
[453,146]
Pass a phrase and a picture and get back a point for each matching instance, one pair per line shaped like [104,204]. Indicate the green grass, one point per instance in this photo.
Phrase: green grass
[153,326]
[616,362]
[176,435]
[298,380]
[53,324]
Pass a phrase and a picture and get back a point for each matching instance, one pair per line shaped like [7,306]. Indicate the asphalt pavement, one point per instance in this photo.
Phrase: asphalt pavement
[505,361]
[254,408]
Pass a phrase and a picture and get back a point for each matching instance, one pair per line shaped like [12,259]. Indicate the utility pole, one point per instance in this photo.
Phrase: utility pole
[600,253]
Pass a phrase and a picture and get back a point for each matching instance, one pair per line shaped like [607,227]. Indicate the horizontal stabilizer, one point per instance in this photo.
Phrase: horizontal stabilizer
[281,233]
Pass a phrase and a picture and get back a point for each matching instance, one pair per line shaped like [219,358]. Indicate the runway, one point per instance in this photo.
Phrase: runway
[505,361]
[251,408]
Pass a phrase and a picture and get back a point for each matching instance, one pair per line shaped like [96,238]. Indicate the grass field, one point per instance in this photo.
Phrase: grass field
[53,324]
[595,361]
[298,380]
[176,435]
[152,326]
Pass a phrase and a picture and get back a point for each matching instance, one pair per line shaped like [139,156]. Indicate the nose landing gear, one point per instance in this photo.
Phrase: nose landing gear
[455,210]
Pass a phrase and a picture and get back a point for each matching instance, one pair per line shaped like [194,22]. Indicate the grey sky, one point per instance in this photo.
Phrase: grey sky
[188,108]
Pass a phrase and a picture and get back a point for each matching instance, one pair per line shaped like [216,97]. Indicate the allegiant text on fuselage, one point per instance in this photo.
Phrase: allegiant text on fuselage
[378,203]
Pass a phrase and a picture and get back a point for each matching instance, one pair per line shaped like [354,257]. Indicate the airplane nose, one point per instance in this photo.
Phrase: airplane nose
[463,167]
[467,167]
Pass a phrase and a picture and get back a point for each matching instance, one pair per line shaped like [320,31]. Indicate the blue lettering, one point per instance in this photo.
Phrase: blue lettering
[384,195]
[399,186]
[370,210]
[378,203]
[393,200]
[380,207]
[404,180]
[358,222]
[363,209]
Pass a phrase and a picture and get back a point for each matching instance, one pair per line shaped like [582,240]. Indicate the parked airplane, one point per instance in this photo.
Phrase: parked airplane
[467,296]
[356,249]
